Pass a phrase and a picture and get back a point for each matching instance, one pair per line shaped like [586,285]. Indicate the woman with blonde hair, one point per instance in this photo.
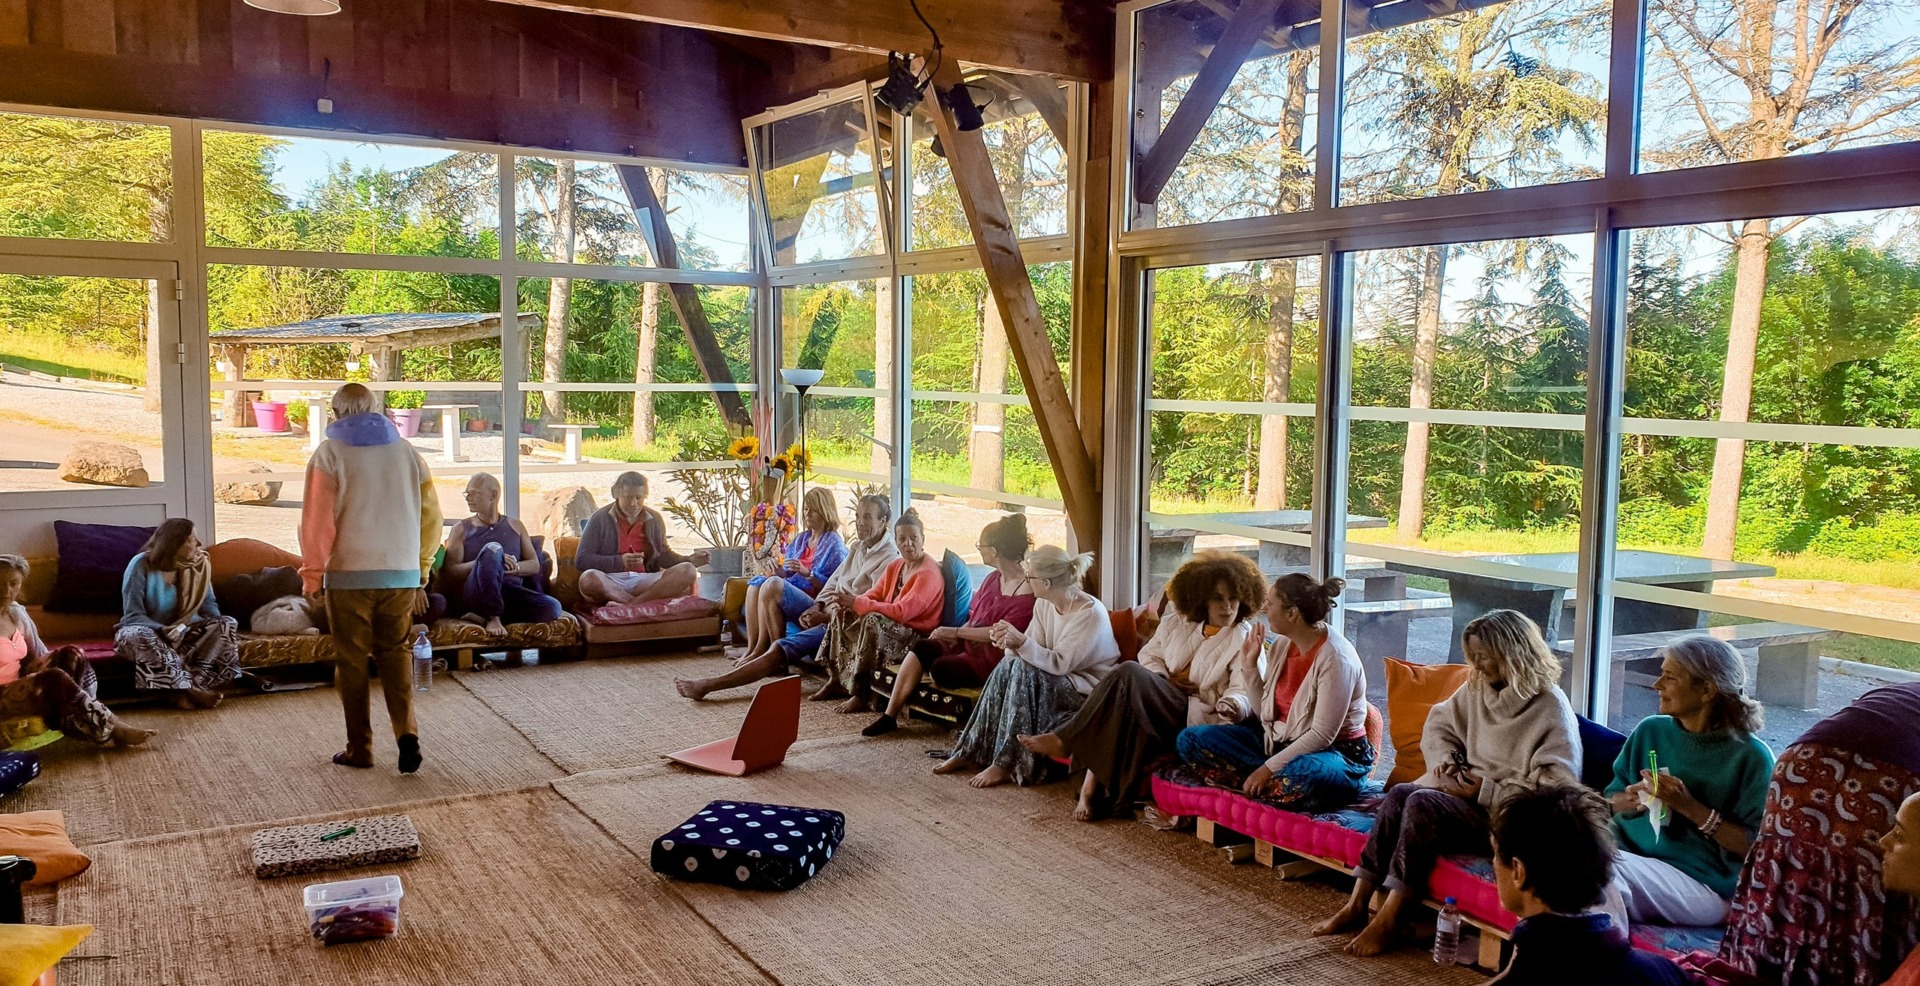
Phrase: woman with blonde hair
[1507,729]
[811,560]
[1201,651]
[1064,652]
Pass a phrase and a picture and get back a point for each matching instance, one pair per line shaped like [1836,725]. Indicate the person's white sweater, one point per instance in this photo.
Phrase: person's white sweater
[1181,647]
[1331,702]
[1511,742]
[863,566]
[1078,645]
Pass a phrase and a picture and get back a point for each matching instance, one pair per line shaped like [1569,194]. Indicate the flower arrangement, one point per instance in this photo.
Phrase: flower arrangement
[723,505]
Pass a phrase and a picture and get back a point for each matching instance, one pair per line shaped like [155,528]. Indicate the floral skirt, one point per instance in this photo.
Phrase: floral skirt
[857,646]
[1810,909]
[1017,698]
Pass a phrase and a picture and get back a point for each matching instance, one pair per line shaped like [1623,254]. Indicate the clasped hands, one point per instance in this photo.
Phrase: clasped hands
[1459,780]
[1006,637]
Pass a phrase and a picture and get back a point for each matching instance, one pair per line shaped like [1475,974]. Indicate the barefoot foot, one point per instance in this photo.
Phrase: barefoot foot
[991,777]
[858,703]
[1082,811]
[1045,745]
[1379,938]
[495,628]
[1348,918]
[693,688]
[951,765]
[125,735]
[830,690]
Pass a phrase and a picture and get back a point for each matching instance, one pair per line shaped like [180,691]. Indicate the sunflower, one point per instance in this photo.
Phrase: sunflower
[779,464]
[746,448]
[799,456]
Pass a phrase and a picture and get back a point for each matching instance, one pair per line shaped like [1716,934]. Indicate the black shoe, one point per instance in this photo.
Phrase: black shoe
[881,726]
[409,753]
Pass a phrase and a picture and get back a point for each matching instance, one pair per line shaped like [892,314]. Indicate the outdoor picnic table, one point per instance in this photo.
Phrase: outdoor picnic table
[1475,595]
[1170,545]
[450,429]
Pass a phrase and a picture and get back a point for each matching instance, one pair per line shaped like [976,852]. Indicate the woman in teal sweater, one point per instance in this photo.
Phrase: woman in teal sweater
[1711,783]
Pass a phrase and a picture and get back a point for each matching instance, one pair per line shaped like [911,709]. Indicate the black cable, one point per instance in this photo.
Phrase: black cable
[933,65]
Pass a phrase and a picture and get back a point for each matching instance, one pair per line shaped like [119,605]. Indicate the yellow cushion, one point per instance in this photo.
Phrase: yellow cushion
[733,602]
[41,836]
[1412,692]
[27,950]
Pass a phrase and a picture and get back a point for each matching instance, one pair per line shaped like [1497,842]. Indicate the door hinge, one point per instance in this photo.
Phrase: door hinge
[180,353]
[179,292]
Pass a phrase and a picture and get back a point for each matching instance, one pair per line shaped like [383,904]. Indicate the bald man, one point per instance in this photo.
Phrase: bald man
[492,570]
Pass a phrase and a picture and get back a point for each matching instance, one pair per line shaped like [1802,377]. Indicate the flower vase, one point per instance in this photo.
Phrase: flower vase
[727,561]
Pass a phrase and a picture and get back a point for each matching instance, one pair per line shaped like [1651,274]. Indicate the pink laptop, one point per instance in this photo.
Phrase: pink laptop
[771,726]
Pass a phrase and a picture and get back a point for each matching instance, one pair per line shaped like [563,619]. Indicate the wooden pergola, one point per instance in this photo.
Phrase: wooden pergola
[379,339]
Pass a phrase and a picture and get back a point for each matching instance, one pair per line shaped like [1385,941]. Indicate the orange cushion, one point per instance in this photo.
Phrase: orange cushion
[42,837]
[1412,692]
[246,556]
[1125,633]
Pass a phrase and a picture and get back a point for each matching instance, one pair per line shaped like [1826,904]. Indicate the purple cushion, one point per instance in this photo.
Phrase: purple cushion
[93,560]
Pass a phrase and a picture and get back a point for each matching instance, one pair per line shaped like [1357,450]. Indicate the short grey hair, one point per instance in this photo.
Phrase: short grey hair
[631,479]
[15,563]
[352,399]
[1715,662]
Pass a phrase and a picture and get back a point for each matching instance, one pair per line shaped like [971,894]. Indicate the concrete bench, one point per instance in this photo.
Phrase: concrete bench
[1378,627]
[1789,669]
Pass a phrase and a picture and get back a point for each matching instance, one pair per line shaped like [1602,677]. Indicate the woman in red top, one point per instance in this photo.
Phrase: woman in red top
[963,657]
[871,630]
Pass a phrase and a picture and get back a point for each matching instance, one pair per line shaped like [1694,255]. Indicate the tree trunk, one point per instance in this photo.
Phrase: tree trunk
[881,460]
[560,296]
[1426,348]
[986,448]
[647,338]
[1270,493]
[1736,388]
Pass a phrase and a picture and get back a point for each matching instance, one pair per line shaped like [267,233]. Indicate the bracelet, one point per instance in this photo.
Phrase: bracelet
[1712,823]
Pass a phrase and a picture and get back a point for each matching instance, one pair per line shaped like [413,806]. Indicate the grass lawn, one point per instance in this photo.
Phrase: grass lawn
[56,355]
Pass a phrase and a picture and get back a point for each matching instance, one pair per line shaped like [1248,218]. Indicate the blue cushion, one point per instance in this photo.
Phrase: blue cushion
[16,769]
[1599,748]
[959,591]
[93,561]
[749,845]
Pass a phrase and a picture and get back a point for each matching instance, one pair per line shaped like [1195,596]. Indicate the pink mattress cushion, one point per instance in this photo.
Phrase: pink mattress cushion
[652,611]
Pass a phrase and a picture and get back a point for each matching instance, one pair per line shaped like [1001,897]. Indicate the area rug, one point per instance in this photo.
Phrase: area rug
[259,758]
[512,888]
[623,712]
[938,883]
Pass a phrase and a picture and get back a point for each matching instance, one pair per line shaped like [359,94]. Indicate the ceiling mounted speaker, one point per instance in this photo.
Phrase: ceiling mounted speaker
[305,8]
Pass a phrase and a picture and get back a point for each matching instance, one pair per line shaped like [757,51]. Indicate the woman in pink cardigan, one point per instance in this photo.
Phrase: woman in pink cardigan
[871,630]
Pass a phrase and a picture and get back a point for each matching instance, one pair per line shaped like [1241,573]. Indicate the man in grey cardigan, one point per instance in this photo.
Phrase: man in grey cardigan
[624,556]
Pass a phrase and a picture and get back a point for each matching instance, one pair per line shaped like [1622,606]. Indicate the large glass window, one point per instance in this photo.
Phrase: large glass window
[844,329]
[1748,81]
[819,186]
[1026,117]
[79,179]
[590,212]
[1508,95]
[1230,436]
[1253,154]
[976,446]
[1773,444]
[338,196]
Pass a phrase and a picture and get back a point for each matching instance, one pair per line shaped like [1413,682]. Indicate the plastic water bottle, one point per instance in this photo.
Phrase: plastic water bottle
[422,662]
[1446,935]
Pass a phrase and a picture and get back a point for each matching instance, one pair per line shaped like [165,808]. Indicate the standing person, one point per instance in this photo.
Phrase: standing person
[624,556]
[55,686]
[491,564]
[170,628]
[963,657]
[1810,908]
[875,628]
[1712,782]
[1051,669]
[1184,674]
[1300,736]
[811,559]
[1900,871]
[369,528]
[1552,859]
[1509,727]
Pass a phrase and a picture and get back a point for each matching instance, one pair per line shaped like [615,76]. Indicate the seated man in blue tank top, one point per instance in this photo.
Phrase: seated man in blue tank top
[491,565]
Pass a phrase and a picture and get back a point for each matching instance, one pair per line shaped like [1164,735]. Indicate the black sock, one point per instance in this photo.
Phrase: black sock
[881,726]
[409,753]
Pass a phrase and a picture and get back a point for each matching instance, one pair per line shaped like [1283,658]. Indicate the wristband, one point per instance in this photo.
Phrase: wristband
[1712,824]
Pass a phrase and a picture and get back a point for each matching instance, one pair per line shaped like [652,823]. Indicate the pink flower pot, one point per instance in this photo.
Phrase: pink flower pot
[270,416]
[406,419]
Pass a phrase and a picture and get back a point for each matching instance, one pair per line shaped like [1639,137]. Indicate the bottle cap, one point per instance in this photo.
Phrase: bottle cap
[1450,900]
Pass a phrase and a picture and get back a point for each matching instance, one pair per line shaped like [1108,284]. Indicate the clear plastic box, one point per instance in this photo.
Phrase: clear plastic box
[354,910]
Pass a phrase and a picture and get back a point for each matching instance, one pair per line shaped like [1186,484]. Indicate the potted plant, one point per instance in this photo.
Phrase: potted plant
[722,505]
[270,416]
[403,406]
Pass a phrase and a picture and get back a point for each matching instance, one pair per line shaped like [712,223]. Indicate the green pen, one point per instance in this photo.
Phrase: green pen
[343,833]
[1653,767]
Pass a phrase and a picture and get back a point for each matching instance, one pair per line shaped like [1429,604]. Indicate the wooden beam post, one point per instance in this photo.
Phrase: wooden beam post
[685,298]
[380,367]
[998,244]
[1244,31]
[239,413]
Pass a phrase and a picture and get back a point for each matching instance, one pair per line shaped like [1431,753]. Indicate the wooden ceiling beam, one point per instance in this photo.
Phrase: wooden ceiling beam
[998,245]
[1244,31]
[1072,39]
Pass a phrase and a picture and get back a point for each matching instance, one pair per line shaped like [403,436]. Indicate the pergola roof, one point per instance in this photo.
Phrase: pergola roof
[395,330]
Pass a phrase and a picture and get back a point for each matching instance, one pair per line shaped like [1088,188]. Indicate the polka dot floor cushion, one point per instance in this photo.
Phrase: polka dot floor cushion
[16,769]
[743,844]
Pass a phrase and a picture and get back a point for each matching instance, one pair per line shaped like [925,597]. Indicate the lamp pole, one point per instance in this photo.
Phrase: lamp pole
[802,381]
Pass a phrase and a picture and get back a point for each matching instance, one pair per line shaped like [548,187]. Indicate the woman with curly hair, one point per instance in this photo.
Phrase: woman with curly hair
[1180,680]
[1296,735]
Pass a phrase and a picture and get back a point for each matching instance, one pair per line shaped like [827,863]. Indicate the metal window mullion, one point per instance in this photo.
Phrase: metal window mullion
[1625,81]
[1326,147]
[901,475]
[513,404]
[1331,418]
[1600,495]
[1128,465]
[194,458]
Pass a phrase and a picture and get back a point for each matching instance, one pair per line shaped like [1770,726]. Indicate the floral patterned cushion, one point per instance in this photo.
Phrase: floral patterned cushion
[262,651]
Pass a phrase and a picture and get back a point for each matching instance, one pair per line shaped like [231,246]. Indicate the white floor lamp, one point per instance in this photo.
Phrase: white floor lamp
[802,381]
